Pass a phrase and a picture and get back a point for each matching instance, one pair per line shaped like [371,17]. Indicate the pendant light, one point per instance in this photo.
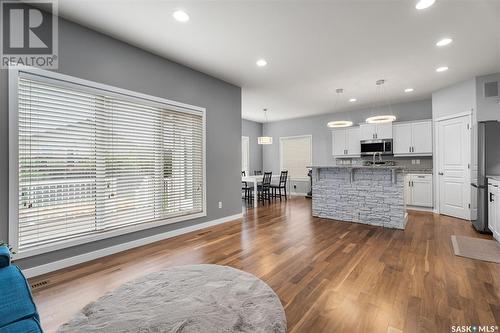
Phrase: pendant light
[265,140]
[385,118]
[338,123]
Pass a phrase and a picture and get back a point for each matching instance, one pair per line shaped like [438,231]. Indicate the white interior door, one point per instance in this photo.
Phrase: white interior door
[245,154]
[453,166]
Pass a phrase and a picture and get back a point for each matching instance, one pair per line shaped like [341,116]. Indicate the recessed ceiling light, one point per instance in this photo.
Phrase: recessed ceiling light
[261,62]
[441,69]
[444,42]
[423,4]
[407,90]
[381,119]
[339,123]
[352,100]
[181,16]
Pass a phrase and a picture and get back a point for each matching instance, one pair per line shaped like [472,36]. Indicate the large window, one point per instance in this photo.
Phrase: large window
[94,161]
[296,155]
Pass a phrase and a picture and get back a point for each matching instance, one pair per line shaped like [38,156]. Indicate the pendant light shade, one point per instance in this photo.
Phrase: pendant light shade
[338,123]
[265,140]
[381,118]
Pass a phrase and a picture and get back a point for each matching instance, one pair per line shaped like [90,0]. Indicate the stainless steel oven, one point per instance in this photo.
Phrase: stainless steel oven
[370,147]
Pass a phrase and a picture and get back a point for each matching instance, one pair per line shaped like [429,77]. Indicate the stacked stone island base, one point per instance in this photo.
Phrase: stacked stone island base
[361,194]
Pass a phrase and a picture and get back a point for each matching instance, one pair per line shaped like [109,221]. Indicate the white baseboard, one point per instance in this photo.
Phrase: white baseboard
[420,209]
[67,262]
[298,194]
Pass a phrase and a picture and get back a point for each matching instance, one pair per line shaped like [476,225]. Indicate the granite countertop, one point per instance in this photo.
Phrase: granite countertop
[384,167]
[420,171]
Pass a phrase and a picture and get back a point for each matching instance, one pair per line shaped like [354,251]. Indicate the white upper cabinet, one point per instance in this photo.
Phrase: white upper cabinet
[413,138]
[402,138]
[422,137]
[384,131]
[353,141]
[339,143]
[376,131]
[368,131]
[346,142]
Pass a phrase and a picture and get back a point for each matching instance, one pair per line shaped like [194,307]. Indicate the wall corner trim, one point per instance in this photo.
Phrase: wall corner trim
[71,261]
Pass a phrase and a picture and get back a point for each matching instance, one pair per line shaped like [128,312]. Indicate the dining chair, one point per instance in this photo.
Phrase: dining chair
[248,189]
[281,185]
[264,189]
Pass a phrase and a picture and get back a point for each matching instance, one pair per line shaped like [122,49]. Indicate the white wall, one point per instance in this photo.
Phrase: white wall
[487,108]
[458,98]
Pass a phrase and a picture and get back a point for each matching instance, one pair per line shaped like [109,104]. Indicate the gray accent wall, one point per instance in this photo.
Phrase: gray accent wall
[253,130]
[90,55]
[321,134]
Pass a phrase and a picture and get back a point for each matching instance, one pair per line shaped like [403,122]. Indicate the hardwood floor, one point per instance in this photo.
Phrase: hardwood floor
[330,276]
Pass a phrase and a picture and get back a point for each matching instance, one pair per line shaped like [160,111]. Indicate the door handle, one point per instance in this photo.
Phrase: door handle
[441,173]
[409,149]
[491,197]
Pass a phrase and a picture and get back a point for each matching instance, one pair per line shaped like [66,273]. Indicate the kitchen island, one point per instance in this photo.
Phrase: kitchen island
[364,194]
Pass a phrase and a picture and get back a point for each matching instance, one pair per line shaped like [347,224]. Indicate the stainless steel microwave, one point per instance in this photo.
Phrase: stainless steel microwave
[382,146]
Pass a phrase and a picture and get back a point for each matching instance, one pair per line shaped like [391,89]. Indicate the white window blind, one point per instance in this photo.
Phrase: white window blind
[92,162]
[296,155]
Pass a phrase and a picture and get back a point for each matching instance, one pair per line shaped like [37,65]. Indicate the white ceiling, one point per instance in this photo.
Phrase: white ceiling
[312,47]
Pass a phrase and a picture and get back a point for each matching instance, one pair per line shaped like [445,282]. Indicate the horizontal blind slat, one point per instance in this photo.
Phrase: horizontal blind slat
[89,163]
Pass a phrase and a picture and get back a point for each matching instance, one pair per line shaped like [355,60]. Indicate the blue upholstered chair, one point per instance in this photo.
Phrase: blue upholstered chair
[18,313]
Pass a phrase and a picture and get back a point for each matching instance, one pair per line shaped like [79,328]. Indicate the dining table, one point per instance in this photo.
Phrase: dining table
[258,179]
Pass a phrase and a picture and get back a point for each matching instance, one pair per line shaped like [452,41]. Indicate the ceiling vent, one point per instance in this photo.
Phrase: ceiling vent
[491,89]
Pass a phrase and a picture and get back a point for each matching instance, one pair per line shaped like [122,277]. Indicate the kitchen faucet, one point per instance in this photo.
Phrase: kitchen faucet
[379,157]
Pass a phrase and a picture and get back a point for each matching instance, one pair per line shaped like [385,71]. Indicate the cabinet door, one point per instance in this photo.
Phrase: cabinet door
[402,138]
[339,142]
[384,131]
[422,137]
[493,210]
[408,190]
[368,131]
[496,231]
[421,191]
[353,142]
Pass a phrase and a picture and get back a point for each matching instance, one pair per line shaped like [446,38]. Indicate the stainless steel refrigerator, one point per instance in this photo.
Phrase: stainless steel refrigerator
[488,163]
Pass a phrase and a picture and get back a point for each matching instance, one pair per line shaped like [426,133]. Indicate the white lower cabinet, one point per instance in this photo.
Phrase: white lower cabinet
[494,208]
[418,190]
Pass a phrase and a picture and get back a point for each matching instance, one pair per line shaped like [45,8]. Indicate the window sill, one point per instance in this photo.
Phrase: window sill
[102,235]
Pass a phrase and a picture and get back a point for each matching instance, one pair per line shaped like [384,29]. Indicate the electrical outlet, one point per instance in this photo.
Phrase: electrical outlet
[418,161]
[412,161]
[220,204]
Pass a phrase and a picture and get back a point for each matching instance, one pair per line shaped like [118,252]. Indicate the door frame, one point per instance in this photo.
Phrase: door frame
[246,140]
[436,162]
